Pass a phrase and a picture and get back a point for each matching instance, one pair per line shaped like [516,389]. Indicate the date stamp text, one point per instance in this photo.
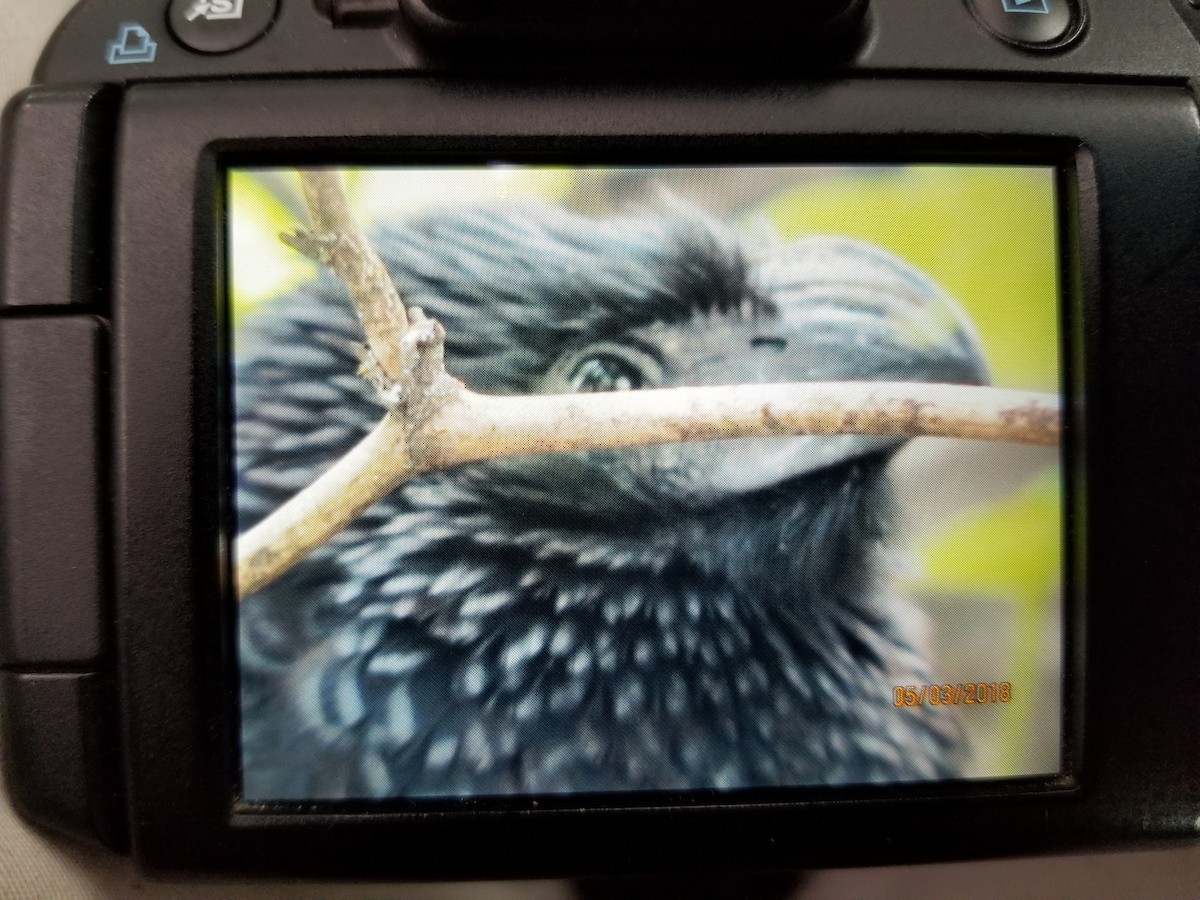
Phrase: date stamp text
[969,694]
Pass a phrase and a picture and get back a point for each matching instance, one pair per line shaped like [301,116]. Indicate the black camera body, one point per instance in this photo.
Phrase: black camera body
[119,653]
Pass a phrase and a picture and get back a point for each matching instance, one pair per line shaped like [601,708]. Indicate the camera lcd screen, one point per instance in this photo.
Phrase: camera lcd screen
[732,615]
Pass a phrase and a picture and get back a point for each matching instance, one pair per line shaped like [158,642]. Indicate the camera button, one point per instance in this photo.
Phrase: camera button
[52,521]
[219,26]
[56,142]
[60,748]
[1031,24]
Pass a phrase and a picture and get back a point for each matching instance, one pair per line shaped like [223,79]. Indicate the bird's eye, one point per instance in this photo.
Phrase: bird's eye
[604,366]
[605,372]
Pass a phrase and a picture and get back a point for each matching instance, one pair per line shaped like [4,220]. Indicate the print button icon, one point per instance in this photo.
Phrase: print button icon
[132,44]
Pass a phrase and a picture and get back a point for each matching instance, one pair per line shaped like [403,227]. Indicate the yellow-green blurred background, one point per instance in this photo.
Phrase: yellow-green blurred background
[985,560]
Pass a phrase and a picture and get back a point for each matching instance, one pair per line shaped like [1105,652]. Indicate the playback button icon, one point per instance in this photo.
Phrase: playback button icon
[1031,24]
[220,26]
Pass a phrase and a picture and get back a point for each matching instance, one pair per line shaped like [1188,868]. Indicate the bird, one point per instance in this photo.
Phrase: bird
[720,615]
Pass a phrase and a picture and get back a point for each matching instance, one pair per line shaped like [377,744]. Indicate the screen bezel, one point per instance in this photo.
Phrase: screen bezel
[181,739]
[585,156]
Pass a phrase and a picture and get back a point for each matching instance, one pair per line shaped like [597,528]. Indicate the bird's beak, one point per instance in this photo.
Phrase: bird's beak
[846,311]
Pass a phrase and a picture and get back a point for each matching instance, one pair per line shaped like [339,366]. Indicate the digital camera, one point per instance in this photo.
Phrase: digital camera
[445,438]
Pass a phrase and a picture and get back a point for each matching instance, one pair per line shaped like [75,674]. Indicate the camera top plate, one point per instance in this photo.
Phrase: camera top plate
[137,40]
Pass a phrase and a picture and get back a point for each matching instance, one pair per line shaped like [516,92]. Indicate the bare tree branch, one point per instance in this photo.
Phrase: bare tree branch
[371,470]
[472,427]
[477,426]
[434,422]
[337,243]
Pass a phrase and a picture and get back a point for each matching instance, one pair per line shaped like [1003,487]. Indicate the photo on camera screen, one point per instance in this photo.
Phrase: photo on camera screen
[725,615]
